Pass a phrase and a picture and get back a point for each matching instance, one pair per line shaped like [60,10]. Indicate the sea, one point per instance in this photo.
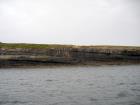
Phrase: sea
[71,85]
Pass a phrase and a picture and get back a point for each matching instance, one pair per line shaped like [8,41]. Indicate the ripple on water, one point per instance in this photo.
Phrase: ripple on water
[93,99]
[133,83]
[123,94]
[12,102]
[121,84]
[91,84]
[138,90]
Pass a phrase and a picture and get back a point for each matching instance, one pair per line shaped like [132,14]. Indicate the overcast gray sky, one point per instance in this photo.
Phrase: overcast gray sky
[84,22]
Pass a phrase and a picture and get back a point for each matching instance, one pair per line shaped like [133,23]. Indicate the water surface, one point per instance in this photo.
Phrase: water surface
[98,85]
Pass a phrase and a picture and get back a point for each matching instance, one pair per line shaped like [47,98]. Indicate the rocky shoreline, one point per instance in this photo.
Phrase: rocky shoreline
[34,54]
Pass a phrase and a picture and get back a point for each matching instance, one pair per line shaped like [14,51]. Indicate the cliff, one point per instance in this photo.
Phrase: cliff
[38,54]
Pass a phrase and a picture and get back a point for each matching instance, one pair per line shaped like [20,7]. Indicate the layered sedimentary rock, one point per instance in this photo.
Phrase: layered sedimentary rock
[67,55]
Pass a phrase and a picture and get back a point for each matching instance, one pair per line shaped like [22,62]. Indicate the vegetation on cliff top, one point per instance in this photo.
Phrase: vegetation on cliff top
[40,46]
[24,45]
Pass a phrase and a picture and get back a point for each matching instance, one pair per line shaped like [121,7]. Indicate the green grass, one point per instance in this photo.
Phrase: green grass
[20,45]
[45,46]
[39,46]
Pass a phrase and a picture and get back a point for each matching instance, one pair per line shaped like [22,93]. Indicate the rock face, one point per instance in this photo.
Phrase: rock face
[67,55]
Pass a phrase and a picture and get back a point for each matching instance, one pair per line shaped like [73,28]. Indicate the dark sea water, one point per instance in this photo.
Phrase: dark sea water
[98,85]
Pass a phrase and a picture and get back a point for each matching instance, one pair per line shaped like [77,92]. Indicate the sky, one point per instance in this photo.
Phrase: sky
[80,22]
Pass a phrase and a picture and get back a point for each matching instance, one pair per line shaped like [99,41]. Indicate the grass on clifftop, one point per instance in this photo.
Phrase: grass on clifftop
[24,45]
[20,45]
[42,46]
